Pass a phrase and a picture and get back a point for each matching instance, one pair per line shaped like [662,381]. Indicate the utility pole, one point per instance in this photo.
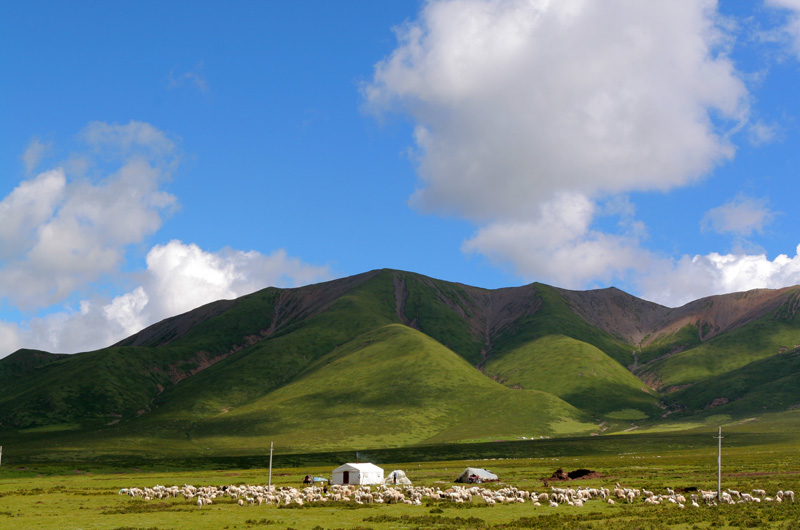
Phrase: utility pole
[270,465]
[719,467]
[1,455]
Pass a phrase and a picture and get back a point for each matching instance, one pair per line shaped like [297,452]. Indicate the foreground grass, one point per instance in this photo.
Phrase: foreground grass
[83,500]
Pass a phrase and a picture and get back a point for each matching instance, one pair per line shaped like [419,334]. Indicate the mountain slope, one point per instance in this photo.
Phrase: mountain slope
[391,358]
[767,385]
[770,335]
[395,386]
[578,373]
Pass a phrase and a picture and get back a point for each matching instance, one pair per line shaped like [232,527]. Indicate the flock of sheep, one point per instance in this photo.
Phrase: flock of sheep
[246,495]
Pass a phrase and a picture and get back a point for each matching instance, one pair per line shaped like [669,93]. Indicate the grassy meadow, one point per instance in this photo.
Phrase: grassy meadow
[83,495]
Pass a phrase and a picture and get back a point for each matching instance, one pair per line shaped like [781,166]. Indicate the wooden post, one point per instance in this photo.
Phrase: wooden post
[719,467]
[270,465]
[1,456]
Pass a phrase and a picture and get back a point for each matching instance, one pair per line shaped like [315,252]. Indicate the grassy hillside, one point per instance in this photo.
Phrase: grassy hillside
[554,317]
[92,387]
[768,336]
[767,385]
[259,368]
[578,373]
[670,343]
[389,387]
[388,358]
[218,362]
[444,311]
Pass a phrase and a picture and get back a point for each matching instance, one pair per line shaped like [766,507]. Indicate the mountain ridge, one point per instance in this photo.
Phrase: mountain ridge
[610,356]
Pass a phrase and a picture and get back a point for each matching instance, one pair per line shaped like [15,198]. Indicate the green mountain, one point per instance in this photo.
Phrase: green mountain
[390,358]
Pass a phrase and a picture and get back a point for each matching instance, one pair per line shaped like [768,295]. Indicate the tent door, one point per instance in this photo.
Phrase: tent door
[345,477]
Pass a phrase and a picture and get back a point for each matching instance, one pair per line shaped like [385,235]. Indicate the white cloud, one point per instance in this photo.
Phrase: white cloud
[34,153]
[70,226]
[742,216]
[560,247]
[179,277]
[134,140]
[9,338]
[517,102]
[760,133]
[127,312]
[58,234]
[28,207]
[792,26]
[676,282]
[533,118]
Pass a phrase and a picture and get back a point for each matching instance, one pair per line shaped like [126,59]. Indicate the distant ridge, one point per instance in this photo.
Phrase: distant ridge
[390,358]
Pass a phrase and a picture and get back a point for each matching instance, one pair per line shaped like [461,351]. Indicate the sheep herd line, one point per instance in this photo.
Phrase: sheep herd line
[247,495]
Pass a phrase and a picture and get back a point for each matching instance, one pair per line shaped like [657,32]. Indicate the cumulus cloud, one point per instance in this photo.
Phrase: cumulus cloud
[676,282]
[516,102]
[179,277]
[742,216]
[70,226]
[532,118]
[58,234]
[67,227]
[560,247]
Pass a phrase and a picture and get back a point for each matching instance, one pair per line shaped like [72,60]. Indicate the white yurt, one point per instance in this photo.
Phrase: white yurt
[357,474]
[397,477]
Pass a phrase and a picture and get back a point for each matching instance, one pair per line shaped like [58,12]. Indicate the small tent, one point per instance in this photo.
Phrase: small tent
[476,474]
[397,477]
[357,474]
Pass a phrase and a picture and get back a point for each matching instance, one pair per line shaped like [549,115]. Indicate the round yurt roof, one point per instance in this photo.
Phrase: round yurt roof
[364,468]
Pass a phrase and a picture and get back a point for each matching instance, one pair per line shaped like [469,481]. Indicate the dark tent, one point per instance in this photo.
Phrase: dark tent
[476,475]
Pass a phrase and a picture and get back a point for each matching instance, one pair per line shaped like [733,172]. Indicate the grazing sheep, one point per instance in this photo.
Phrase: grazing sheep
[248,495]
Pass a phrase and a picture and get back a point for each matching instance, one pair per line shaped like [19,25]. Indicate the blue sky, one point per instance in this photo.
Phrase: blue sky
[155,156]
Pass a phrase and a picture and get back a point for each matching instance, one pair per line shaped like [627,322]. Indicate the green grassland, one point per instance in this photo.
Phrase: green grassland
[771,384]
[64,496]
[758,340]
[578,373]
